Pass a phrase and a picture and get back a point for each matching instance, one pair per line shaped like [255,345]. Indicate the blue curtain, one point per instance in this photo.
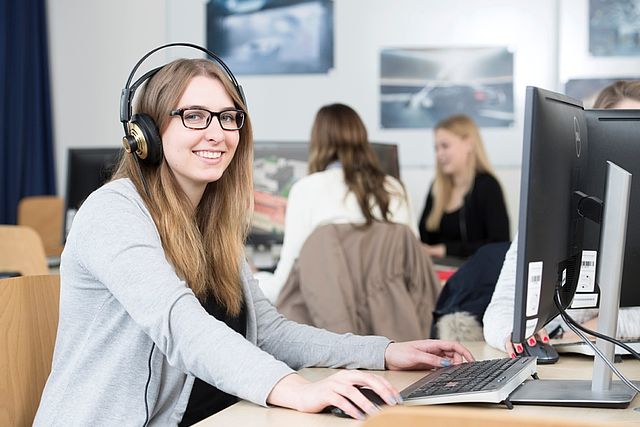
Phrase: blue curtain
[26,140]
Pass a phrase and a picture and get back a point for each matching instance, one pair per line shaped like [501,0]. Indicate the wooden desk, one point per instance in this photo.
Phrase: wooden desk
[569,367]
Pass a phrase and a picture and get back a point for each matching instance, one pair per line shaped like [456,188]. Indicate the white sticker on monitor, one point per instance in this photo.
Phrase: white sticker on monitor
[585,300]
[534,283]
[587,277]
[530,327]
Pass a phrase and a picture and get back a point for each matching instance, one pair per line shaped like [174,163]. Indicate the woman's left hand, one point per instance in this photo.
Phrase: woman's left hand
[425,354]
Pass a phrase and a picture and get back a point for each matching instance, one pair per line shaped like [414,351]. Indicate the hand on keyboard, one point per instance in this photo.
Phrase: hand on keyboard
[425,354]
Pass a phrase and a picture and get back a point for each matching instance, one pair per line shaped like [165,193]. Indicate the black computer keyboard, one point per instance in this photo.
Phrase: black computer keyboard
[480,381]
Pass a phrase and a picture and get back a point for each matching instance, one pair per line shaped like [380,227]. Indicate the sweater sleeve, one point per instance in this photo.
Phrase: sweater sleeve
[498,317]
[117,243]
[495,212]
[425,235]
[301,346]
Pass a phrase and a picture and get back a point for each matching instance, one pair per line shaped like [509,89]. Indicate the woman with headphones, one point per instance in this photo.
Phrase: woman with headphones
[161,321]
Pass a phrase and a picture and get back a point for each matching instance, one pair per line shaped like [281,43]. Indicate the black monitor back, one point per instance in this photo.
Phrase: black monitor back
[549,229]
[614,135]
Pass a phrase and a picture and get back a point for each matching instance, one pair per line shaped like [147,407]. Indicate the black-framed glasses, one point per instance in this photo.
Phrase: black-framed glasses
[200,118]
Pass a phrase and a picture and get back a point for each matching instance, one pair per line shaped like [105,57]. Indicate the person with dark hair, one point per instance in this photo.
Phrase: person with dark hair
[161,321]
[345,185]
[465,207]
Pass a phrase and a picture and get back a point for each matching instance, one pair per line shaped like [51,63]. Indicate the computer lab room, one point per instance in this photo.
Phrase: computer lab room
[320,213]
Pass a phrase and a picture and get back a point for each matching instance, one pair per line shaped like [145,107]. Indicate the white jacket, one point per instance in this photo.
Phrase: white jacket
[324,198]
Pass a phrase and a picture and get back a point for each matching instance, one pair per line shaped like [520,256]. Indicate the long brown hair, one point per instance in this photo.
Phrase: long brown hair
[464,127]
[338,134]
[616,92]
[204,246]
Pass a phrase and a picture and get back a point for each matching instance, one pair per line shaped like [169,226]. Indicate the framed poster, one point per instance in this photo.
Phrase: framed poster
[272,36]
[419,87]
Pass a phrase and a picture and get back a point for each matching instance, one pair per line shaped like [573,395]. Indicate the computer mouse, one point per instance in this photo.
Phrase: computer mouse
[368,393]
[545,353]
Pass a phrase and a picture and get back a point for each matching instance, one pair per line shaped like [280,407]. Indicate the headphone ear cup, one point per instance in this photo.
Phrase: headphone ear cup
[149,141]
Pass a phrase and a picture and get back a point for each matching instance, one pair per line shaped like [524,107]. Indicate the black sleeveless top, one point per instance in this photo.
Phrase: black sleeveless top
[205,399]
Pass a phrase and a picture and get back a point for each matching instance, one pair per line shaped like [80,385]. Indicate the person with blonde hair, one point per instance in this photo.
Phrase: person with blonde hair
[160,317]
[346,184]
[465,207]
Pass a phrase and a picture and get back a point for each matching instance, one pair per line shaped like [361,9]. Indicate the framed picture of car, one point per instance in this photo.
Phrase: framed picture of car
[419,87]
[272,36]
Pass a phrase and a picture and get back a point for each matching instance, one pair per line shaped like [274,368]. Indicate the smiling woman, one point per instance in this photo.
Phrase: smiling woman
[156,292]
[198,149]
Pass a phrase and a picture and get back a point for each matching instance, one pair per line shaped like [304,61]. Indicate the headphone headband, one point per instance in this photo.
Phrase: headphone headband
[129,90]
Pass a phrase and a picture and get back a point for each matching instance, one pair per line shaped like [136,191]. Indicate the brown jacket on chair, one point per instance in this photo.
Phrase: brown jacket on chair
[368,281]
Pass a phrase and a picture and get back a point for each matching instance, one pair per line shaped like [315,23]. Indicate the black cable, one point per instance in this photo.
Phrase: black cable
[571,323]
[146,388]
[568,319]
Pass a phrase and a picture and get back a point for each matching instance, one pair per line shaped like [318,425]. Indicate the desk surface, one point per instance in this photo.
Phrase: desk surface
[569,367]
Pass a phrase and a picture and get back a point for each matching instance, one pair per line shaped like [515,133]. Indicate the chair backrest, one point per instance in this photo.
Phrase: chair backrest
[45,214]
[21,251]
[28,321]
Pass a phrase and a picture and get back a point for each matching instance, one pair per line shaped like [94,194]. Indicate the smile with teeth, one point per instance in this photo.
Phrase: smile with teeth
[208,154]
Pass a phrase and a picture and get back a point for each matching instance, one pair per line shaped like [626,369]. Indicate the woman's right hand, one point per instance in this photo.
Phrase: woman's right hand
[293,391]
[514,349]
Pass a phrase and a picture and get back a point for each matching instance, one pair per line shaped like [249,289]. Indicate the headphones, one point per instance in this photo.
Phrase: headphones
[141,134]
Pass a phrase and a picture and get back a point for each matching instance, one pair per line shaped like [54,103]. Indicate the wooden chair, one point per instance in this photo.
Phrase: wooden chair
[45,214]
[472,416]
[21,251]
[28,321]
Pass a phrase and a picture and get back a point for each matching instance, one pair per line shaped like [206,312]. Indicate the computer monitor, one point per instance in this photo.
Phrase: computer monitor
[549,229]
[614,135]
[87,170]
[276,167]
[550,243]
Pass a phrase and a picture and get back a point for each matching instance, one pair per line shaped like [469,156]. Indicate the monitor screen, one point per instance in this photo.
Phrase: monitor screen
[277,166]
[87,170]
[614,135]
[549,229]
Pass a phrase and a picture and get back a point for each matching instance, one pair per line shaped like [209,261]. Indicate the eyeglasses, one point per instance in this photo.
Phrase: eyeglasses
[199,118]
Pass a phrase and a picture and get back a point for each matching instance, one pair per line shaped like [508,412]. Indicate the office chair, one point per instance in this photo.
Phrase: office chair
[28,321]
[21,251]
[45,214]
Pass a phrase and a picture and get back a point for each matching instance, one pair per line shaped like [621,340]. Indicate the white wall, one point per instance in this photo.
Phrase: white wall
[94,45]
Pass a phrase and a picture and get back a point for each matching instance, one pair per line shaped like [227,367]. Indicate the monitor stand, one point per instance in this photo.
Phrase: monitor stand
[600,391]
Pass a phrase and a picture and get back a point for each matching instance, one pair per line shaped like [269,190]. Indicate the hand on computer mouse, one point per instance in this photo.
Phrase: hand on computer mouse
[338,390]
[368,393]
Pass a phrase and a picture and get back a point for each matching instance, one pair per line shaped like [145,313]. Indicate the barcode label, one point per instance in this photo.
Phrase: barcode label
[587,276]
[534,283]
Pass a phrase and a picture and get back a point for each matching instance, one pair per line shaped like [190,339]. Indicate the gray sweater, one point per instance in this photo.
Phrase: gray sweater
[123,309]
